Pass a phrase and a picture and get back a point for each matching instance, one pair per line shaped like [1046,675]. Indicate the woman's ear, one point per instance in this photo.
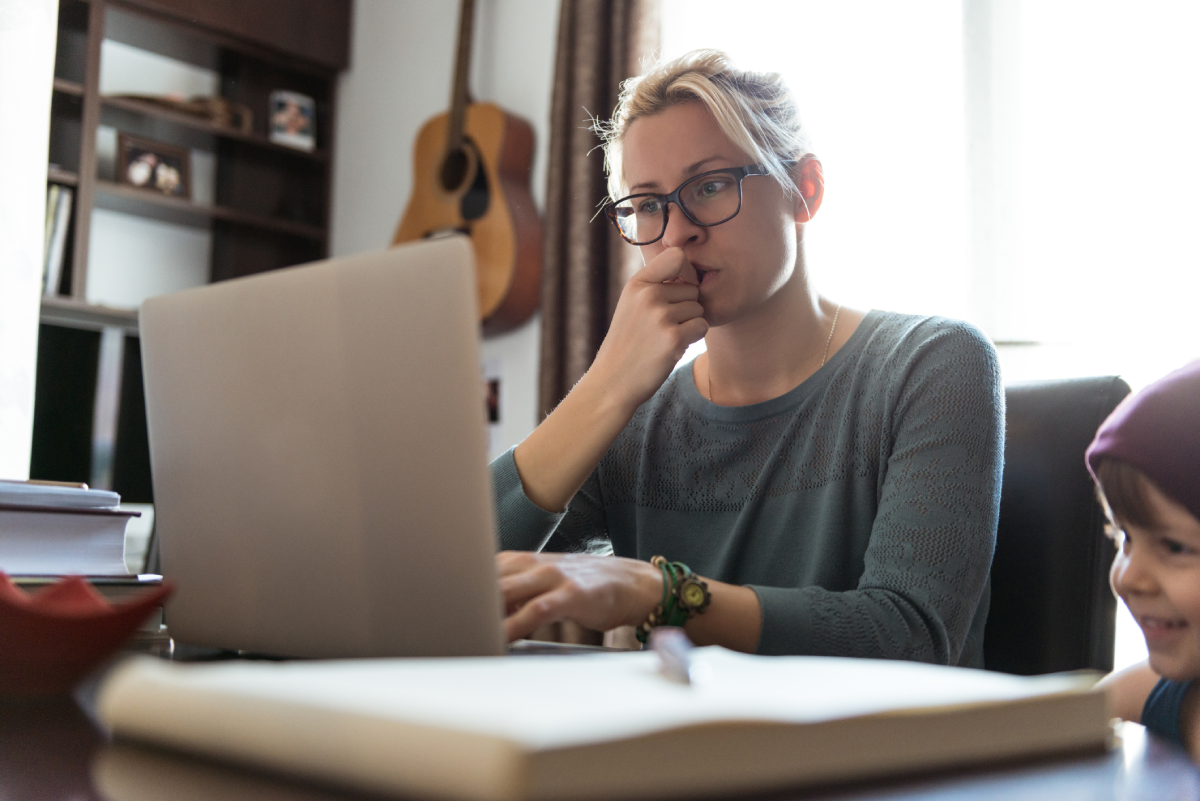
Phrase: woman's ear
[811,182]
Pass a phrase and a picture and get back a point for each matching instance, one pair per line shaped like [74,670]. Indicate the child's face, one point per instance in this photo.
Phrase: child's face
[1157,573]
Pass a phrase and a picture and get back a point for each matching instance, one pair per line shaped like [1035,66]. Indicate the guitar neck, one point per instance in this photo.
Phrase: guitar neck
[460,95]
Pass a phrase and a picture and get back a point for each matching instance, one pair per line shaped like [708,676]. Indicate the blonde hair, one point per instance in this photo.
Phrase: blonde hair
[755,110]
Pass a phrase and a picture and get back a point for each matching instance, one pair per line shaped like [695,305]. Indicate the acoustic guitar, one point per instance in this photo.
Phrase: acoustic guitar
[471,175]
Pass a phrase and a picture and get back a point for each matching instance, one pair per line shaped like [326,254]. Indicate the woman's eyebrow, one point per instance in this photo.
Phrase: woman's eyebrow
[691,169]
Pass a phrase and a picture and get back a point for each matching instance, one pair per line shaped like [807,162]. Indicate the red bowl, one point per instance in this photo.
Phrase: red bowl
[51,639]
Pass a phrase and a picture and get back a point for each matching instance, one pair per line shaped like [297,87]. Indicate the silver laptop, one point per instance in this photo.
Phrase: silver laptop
[319,461]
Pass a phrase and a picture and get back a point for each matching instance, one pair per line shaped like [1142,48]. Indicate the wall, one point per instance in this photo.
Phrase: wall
[27,37]
[400,74]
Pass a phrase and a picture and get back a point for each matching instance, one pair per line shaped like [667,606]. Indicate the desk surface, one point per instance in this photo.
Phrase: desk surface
[53,752]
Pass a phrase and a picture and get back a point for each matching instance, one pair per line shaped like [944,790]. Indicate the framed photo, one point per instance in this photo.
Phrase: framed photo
[293,120]
[154,166]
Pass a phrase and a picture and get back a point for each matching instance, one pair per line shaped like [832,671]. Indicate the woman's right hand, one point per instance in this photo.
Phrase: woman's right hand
[657,317]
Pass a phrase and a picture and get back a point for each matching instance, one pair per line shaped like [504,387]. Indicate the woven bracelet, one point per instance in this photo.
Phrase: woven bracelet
[684,595]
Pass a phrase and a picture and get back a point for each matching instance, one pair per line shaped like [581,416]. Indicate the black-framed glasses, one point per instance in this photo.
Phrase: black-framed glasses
[707,199]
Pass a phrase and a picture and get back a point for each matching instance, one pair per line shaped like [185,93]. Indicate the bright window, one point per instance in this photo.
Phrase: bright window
[1031,167]
[880,89]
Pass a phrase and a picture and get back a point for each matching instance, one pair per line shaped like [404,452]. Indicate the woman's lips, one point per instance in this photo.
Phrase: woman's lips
[703,272]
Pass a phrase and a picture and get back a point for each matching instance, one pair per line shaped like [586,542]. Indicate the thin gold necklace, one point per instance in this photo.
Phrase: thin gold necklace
[824,357]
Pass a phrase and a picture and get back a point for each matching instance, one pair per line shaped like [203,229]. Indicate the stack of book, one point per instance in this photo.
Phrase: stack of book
[49,530]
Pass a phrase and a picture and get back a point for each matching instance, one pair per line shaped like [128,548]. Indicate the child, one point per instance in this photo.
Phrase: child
[1146,463]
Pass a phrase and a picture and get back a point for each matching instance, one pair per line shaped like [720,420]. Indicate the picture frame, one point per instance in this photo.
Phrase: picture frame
[292,120]
[154,166]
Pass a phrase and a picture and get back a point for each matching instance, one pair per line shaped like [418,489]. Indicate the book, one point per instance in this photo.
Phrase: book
[56,240]
[56,494]
[114,589]
[51,213]
[608,725]
[55,529]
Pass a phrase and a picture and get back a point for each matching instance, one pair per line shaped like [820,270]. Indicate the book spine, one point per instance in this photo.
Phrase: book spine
[52,192]
[58,241]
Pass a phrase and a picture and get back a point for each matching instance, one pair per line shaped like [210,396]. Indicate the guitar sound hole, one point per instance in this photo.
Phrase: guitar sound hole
[454,169]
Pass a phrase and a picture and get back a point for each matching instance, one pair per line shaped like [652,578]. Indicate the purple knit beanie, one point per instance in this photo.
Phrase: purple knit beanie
[1157,430]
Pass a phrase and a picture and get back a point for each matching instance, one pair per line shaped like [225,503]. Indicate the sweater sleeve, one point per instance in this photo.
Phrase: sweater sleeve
[521,523]
[927,561]
[525,526]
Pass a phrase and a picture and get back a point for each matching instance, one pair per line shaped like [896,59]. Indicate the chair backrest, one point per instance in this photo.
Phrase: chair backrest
[1051,607]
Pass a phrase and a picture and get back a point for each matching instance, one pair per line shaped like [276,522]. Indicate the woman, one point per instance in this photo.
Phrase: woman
[831,476]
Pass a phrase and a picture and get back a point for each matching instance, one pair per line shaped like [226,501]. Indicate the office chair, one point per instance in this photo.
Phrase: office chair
[1051,607]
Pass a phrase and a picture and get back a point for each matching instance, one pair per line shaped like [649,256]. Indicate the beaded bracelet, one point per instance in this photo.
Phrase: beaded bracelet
[684,595]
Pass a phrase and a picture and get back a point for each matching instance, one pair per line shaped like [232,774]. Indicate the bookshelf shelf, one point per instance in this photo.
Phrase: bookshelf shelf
[141,107]
[130,200]
[57,175]
[77,314]
[66,87]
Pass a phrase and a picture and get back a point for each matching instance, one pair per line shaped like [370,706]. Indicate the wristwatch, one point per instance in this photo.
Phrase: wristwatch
[692,594]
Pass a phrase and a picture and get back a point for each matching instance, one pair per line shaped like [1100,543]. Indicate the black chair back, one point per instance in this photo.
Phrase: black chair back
[1051,607]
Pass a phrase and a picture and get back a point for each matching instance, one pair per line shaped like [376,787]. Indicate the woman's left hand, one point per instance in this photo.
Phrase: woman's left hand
[597,592]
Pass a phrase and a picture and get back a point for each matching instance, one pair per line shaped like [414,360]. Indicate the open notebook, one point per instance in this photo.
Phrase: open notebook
[607,725]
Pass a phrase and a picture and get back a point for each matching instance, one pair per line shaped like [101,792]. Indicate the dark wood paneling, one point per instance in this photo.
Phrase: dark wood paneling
[314,30]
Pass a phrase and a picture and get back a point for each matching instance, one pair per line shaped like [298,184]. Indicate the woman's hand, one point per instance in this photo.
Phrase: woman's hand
[598,592]
[658,316]
[603,592]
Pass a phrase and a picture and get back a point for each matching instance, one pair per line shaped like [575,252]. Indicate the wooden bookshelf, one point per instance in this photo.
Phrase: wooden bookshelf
[270,204]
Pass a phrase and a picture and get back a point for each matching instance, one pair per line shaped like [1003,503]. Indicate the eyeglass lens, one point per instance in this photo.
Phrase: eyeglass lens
[707,199]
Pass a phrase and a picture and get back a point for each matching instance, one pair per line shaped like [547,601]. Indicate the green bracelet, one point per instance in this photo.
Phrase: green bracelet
[684,595]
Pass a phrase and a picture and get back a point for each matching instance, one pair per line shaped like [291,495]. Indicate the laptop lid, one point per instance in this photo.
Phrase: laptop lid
[318,452]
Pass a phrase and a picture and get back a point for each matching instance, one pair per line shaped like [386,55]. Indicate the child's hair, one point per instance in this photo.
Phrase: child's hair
[1122,491]
[755,110]
[1152,437]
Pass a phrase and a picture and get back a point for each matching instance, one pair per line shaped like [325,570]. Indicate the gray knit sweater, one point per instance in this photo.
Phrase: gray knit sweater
[861,506]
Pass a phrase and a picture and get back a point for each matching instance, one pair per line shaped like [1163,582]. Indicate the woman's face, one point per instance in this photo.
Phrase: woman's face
[742,263]
[1157,573]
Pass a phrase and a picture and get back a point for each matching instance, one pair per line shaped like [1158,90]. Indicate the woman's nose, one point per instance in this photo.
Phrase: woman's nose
[680,230]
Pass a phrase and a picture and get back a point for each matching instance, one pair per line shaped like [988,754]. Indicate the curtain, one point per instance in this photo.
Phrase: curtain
[584,261]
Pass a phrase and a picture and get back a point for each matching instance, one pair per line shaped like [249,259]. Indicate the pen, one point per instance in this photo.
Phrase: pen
[674,651]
